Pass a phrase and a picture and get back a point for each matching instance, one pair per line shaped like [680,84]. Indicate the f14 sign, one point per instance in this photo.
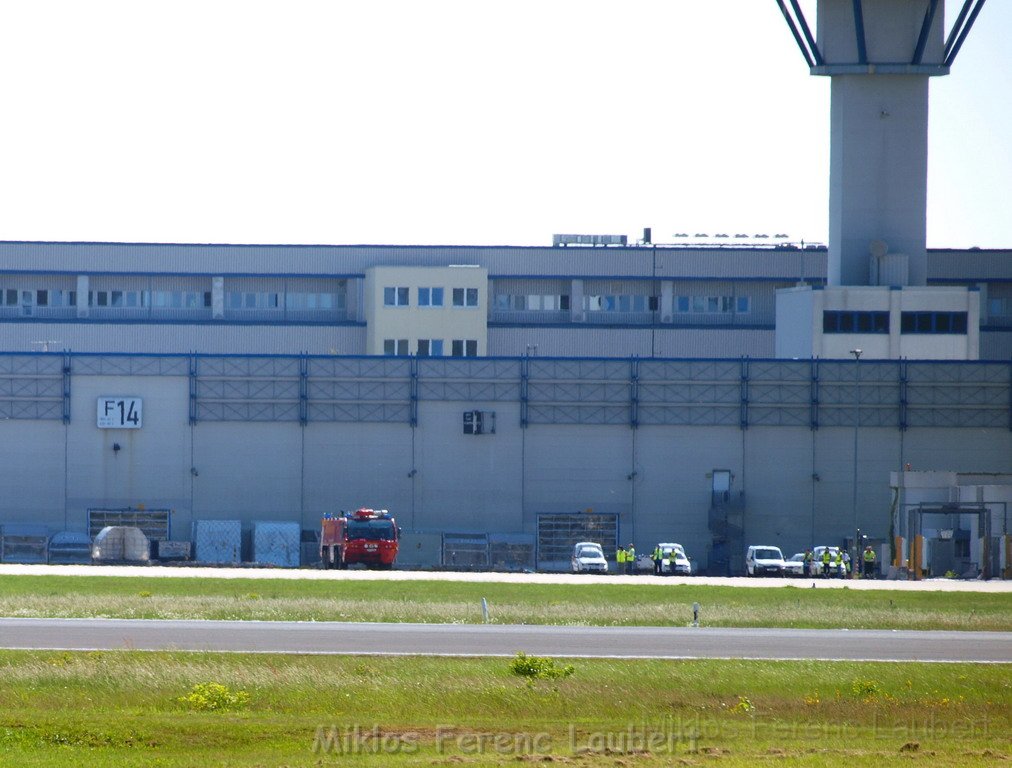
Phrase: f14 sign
[119,413]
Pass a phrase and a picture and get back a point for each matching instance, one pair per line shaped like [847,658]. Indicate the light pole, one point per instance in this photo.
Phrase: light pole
[857,423]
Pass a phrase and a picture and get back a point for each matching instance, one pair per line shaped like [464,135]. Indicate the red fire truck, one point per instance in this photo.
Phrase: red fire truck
[366,536]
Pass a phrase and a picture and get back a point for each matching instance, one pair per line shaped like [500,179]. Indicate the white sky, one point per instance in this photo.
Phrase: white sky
[453,122]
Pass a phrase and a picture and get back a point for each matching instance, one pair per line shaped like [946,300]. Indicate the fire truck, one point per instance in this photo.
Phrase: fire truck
[367,536]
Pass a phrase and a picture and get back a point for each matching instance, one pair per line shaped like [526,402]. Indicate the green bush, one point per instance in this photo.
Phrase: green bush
[214,697]
[865,689]
[538,667]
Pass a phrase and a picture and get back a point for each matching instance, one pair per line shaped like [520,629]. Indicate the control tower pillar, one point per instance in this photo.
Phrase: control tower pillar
[879,54]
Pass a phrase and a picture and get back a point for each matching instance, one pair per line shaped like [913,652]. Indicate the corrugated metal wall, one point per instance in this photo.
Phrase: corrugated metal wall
[236,462]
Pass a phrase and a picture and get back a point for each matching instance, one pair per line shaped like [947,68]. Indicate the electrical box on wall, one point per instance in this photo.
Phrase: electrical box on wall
[479,422]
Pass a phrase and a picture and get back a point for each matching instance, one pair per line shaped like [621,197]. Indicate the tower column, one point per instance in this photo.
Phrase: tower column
[878,173]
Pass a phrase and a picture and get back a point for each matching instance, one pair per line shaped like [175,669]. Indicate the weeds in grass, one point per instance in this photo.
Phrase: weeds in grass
[539,668]
[744,706]
[214,697]
[865,689]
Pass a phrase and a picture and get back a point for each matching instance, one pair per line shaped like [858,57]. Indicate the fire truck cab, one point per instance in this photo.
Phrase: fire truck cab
[367,536]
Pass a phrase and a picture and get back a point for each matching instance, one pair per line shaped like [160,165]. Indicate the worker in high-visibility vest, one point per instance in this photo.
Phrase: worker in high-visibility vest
[826,559]
[838,564]
[620,560]
[809,563]
[658,561]
[630,560]
[869,562]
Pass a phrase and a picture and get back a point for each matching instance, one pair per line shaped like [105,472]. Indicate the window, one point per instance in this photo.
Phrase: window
[395,346]
[742,306]
[63,298]
[998,307]
[430,297]
[395,297]
[834,321]
[180,299]
[464,348]
[933,322]
[465,297]
[623,302]
[682,304]
[430,347]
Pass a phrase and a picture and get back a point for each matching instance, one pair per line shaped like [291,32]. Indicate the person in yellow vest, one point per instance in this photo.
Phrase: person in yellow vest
[868,563]
[826,559]
[658,561]
[630,560]
[838,564]
[620,560]
[809,563]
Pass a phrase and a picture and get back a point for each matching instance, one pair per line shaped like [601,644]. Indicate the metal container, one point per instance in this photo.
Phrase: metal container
[121,543]
[70,548]
[217,541]
[277,544]
[23,543]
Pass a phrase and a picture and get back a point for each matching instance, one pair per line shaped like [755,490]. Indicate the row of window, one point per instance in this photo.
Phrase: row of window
[834,321]
[432,347]
[506,302]
[273,300]
[400,296]
[713,304]
[622,302]
[11,297]
[625,303]
[172,299]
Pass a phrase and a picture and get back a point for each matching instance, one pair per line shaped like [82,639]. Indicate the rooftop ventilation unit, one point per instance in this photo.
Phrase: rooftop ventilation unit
[588,240]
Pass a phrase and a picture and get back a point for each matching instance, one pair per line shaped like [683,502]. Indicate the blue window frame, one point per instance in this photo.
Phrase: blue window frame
[933,322]
[847,321]
[430,297]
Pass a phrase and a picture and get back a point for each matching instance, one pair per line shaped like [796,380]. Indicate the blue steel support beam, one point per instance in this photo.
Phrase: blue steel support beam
[794,31]
[525,374]
[743,409]
[954,32]
[414,391]
[66,382]
[922,40]
[634,393]
[304,388]
[193,388]
[814,396]
[862,50]
[951,56]
[903,396]
[816,53]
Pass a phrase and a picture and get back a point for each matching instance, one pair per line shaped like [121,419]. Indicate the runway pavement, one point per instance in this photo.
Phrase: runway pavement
[504,640]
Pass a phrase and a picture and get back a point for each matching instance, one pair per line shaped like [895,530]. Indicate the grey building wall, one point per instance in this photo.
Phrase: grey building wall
[564,441]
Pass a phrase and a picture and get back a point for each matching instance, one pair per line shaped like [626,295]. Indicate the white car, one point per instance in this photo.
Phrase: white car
[588,557]
[674,560]
[795,565]
[765,560]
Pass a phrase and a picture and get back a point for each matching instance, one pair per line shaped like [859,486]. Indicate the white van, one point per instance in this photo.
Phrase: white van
[588,557]
[763,560]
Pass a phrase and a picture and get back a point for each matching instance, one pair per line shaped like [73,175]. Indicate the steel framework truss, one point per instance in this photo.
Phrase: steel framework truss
[633,391]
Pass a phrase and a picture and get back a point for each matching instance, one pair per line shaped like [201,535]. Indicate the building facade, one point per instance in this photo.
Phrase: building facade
[622,394]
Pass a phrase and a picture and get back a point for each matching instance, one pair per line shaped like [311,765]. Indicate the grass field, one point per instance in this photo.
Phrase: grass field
[441,601]
[137,709]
